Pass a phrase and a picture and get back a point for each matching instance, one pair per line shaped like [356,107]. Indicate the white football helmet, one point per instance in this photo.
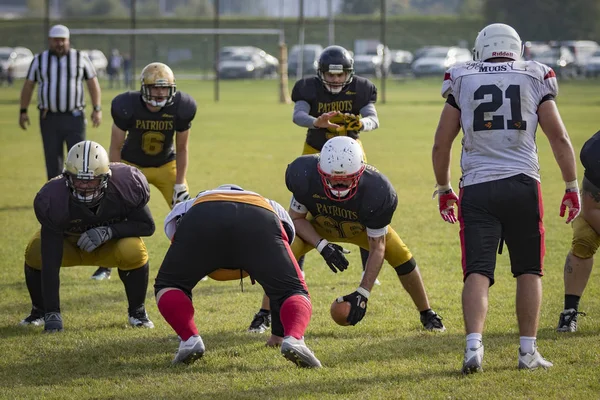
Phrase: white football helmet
[341,165]
[497,40]
[87,170]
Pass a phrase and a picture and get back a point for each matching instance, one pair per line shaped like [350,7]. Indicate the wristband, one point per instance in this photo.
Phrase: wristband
[364,292]
[444,188]
[23,111]
[321,245]
[572,186]
[98,108]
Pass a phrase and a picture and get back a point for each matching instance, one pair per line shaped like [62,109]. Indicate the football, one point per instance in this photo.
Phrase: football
[339,311]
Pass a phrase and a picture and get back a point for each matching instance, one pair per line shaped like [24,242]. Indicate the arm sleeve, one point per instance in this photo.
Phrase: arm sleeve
[301,116]
[89,72]
[185,113]
[52,252]
[138,223]
[369,117]
[32,74]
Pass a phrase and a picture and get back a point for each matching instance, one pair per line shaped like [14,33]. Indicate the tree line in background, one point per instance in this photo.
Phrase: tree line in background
[533,19]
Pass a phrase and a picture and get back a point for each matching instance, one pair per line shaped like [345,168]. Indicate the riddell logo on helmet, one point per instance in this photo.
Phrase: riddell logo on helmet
[502,54]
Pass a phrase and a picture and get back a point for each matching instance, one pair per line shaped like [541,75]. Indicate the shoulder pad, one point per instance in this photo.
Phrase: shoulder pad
[298,173]
[131,185]
[121,107]
[305,89]
[51,204]
[186,107]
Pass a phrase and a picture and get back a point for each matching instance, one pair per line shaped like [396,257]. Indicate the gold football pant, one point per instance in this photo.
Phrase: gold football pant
[585,239]
[396,252]
[125,254]
[163,178]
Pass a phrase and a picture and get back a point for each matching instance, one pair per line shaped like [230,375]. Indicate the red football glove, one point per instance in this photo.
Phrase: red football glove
[572,200]
[447,199]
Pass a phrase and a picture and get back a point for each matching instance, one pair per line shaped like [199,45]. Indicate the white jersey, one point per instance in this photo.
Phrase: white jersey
[498,110]
[172,219]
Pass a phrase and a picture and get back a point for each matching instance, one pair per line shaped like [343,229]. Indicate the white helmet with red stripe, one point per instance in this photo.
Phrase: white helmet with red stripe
[498,40]
[341,165]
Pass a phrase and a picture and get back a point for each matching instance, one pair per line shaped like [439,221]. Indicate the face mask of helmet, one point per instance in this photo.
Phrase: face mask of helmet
[335,78]
[87,188]
[341,165]
[161,99]
[340,187]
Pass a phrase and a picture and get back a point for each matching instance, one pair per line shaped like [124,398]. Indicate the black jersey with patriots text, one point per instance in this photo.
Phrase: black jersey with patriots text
[590,159]
[372,206]
[359,93]
[126,193]
[149,141]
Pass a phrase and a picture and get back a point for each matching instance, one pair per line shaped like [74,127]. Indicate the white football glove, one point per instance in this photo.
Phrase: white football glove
[91,239]
[180,193]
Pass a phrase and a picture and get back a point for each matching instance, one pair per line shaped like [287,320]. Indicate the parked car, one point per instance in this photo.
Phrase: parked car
[582,50]
[272,63]
[531,49]
[99,61]
[401,61]
[437,60]
[16,58]
[592,68]
[560,59]
[371,58]
[241,65]
[310,59]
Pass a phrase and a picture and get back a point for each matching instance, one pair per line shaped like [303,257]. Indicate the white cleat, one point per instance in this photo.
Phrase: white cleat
[473,360]
[297,352]
[376,280]
[533,361]
[189,351]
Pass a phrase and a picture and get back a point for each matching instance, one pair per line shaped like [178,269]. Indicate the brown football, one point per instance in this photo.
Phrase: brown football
[339,311]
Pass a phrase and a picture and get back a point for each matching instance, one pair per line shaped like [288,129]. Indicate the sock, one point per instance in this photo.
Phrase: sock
[527,344]
[33,280]
[177,309]
[424,312]
[264,311]
[301,263]
[364,255]
[474,340]
[572,301]
[136,285]
[295,314]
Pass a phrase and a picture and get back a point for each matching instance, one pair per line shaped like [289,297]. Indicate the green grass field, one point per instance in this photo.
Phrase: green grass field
[248,138]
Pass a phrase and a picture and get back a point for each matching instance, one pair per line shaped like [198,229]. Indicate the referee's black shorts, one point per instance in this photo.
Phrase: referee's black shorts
[510,208]
[231,235]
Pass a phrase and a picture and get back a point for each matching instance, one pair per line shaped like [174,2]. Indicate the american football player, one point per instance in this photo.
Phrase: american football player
[350,201]
[498,100]
[230,226]
[334,103]
[95,212]
[586,236]
[145,124]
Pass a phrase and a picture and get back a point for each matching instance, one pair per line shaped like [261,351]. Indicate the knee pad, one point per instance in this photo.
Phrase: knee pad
[406,268]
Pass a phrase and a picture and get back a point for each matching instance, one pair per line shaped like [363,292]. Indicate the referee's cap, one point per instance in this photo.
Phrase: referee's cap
[59,31]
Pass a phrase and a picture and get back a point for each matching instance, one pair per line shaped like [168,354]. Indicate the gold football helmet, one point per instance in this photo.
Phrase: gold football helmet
[87,170]
[158,75]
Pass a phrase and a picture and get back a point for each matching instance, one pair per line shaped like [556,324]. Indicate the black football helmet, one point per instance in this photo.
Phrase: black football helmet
[335,60]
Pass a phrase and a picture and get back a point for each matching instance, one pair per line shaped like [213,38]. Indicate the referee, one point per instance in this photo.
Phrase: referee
[60,72]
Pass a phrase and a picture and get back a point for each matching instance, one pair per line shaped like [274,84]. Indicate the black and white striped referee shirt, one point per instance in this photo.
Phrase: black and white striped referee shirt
[60,79]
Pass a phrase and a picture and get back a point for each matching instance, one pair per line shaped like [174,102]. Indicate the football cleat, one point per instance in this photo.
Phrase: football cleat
[190,350]
[473,360]
[101,274]
[261,322]
[53,322]
[376,280]
[297,352]
[567,321]
[35,318]
[432,322]
[533,361]
[139,319]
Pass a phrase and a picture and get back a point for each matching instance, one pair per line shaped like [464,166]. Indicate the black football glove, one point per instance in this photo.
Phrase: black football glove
[358,305]
[333,255]
[93,238]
